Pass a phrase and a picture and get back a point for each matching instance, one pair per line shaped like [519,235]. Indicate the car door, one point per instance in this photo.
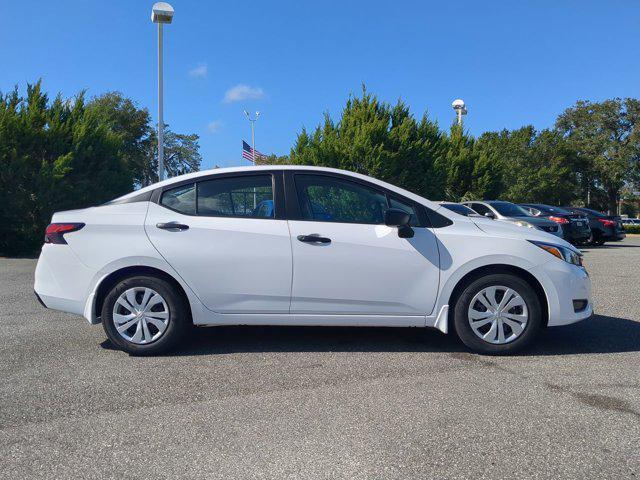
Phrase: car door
[346,261]
[233,253]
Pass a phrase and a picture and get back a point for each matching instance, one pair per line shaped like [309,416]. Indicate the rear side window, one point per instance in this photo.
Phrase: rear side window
[480,208]
[332,199]
[244,196]
[181,199]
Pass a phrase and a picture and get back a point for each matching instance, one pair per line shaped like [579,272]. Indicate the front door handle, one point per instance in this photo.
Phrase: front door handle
[172,226]
[313,239]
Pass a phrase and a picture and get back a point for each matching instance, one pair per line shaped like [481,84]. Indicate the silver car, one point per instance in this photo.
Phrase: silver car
[510,212]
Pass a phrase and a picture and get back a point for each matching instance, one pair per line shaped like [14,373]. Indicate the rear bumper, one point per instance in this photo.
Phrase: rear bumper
[613,236]
[577,234]
[61,279]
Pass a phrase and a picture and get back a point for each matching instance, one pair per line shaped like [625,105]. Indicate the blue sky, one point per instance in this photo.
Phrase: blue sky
[513,62]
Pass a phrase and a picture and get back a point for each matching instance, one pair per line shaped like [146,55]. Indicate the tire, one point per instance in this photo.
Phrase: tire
[164,306]
[595,239]
[513,339]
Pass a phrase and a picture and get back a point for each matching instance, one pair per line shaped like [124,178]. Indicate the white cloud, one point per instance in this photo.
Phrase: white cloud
[199,72]
[243,92]
[214,126]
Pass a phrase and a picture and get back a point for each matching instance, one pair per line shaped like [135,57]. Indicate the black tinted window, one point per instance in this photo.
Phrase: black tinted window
[460,209]
[480,208]
[335,200]
[245,196]
[510,209]
[181,199]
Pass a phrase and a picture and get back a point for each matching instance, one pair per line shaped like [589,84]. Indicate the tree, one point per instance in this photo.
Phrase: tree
[139,141]
[604,135]
[374,138]
[66,153]
[53,156]
[458,165]
[131,124]
[181,155]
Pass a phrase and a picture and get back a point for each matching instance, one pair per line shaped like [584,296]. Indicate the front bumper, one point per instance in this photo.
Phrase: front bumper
[563,283]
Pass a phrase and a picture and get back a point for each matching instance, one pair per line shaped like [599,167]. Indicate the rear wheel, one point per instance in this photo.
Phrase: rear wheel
[143,315]
[595,239]
[498,314]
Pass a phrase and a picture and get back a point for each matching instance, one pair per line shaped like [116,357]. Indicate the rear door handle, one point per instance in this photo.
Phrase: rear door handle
[172,226]
[313,239]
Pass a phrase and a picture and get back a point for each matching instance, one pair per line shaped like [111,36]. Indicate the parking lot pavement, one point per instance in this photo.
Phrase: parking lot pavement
[260,402]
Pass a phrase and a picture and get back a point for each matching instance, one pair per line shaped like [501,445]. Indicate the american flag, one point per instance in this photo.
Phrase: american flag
[247,152]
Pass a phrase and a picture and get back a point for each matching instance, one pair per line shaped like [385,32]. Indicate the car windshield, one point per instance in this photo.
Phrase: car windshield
[461,209]
[551,210]
[507,209]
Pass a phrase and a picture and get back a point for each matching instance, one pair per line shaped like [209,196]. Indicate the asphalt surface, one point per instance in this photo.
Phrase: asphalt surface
[271,402]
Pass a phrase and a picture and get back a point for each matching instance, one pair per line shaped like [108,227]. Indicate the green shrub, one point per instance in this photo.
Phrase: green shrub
[632,228]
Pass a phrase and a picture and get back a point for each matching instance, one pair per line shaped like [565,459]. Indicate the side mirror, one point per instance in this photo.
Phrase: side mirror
[394,217]
[490,215]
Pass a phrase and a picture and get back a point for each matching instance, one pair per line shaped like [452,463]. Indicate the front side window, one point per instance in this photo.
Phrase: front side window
[244,196]
[332,199]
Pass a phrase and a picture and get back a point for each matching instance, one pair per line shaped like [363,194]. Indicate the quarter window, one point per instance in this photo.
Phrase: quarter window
[181,199]
[335,200]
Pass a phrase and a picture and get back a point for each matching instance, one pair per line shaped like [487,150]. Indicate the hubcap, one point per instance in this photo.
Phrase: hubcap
[140,315]
[498,314]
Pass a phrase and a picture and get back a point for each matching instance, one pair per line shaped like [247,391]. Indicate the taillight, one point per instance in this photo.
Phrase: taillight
[558,219]
[55,232]
[607,223]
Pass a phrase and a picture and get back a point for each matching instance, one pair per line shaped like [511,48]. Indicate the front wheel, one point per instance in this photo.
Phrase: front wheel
[497,314]
[144,315]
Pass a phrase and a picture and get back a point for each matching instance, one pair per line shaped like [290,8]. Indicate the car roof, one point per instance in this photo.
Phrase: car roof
[261,168]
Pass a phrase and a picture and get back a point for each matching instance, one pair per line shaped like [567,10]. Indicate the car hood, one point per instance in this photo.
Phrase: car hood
[537,221]
[511,230]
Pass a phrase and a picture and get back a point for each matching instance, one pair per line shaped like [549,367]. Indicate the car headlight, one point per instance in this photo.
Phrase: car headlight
[524,224]
[563,253]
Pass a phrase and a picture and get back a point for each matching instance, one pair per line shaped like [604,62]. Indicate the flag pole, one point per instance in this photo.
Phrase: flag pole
[253,148]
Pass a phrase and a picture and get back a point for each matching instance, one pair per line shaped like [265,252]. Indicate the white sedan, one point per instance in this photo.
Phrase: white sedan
[289,245]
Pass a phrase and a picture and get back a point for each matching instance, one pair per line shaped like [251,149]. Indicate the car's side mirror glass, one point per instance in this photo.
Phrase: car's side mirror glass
[395,217]
[489,215]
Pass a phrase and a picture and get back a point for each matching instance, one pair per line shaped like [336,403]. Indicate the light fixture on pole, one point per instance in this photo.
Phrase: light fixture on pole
[460,108]
[253,133]
[161,13]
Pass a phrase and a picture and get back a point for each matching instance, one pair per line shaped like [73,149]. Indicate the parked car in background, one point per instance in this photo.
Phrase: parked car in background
[630,221]
[575,226]
[460,209]
[604,228]
[338,248]
[510,212]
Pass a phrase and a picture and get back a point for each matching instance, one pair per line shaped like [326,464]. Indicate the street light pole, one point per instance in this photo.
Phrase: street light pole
[161,13]
[160,108]
[253,133]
